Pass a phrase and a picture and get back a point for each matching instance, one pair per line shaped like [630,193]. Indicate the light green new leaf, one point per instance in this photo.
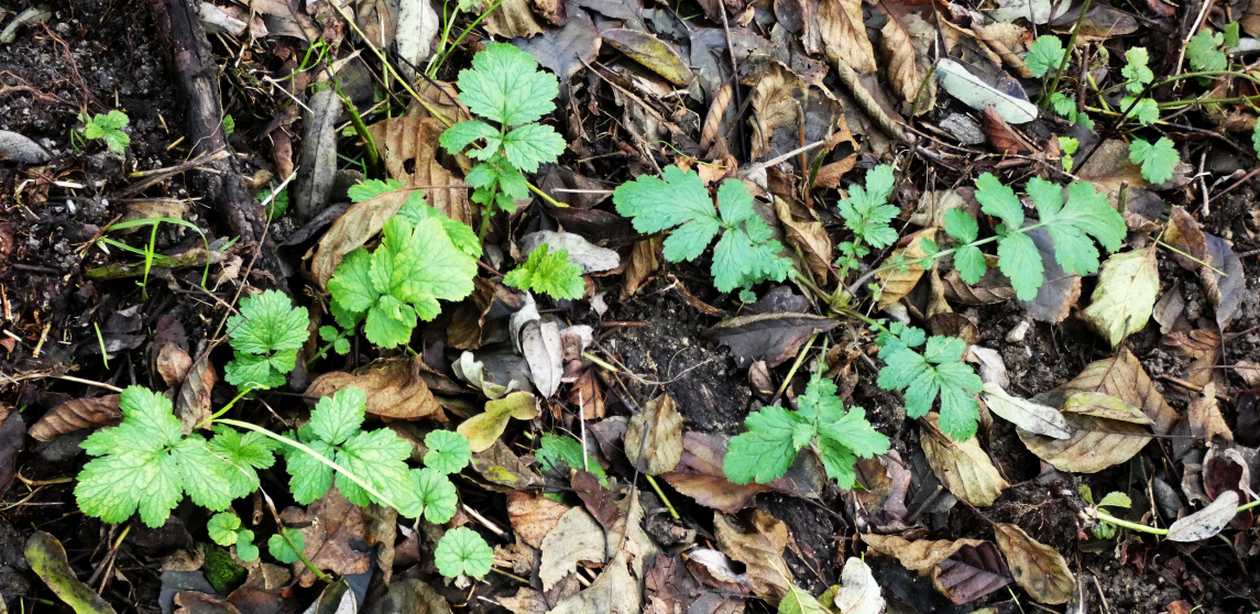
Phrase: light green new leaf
[1145,110]
[265,334]
[286,548]
[505,85]
[109,127]
[1157,161]
[960,225]
[999,200]
[463,552]
[936,372]
[532,144]
[438,497]
[1044,55]
[768,448]
[1124,299]
[561,454]
[1204,51]
[222,528]
[1136,72]
[970,263]
[448,451]
[1020,262]
[548,272]
[462,134]
[866,211]
[371,188]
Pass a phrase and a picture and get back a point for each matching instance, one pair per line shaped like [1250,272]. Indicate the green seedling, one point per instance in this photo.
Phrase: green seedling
[867,213]
[1157,160]
[1045,55]
[225,529]
[265,337]
[926,369]
[108,127]
[548,272]
[1113,499]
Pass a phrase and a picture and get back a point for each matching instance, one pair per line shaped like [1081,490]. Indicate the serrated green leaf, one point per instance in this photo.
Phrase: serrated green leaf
[505,85]
[1020,262]
[462,134]
[309,479]
[463,552]
[222,528]
[1116,499]
[960,225]
[265,335]
[548,272]
[1136,72]
[448,451]
[999,201]
[1203,51]
[338,416]
[1157,161]
[1044,55]
[767,449]
[379,458]
[654,204]
[866,211]
[532,144]
[109,127]
[970,263]
[936,372]
[438,497]
[371,188]
[286,548]
[797,601]
[1146,110]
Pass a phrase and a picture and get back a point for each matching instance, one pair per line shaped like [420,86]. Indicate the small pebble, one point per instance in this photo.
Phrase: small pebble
[1018,333]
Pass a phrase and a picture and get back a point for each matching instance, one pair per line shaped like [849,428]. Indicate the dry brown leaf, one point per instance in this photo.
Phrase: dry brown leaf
[1004,39]
[921,555]
[1105,431]
[351,231]
[172,363]
[512,19]
[615,591]
[575,538]
[588,395]
[699,475]
[812,239]
[192,405]
[1002,136]
[333,530]
[77,414]
[1038,569]
[1203,348]
[643,262]
[533,517]
[760,550]
[1122,376]
[992,289]
[411,142]
[654,437]
[1205,419]
[394,389]
[844,34]
[504,470]
[962,466]
[1224,281]
[895,281]
[971,573]
[653,53]
[905,42]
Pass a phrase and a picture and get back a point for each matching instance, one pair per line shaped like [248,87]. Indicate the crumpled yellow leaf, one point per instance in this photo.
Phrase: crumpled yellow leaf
[896,282]
[483,429]
[1125,296]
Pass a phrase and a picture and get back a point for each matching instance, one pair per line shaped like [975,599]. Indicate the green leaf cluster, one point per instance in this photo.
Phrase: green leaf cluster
[1114,499]
[423,257]
[924,375]
[265,335]
[1205,53]
[108,127]
[1137,75]
[372,465]
[747,252]
[1045,55]
[1070,223]
[560,454]
[147,464]
[1065,106]
[504,86]
[548,272]
[225,529]
[1157,160]
[775,436]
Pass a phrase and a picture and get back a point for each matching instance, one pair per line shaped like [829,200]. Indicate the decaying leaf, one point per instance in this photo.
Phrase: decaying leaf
[333,530]
[810,237]
[1032,417]
[905,42]
[351,231]
[1056,297]
[417,24]
[533,516]
[394,389]
[644,261]
[192,405]
[971,573]
[318,171]
[858,592]
[844,34]
[483,429]
[772,337]
[512,19]
[47,558]
[1224,280]
[760,550]
[978,94]
[1206,522]
[898,281]
[1123,376]
[77,414]
[1205,419]
[962,466]
[171,363]
[1038,569]
[1105,430]
[575,538]
[654,437]
[1125,296]
[503,469]
[699,475]
[538,340]
[409,149]
[616,591]
[653,53]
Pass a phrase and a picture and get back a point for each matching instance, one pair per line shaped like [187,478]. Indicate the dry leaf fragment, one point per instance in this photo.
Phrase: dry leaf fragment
[172,363]
[905,42]
[1124,298]
[575,538]
[810,236]
[653,53]
[533,517]
[1206,522]
[409,149]
[1224,280]
[921,555]
[77,414]
[1038,569]
[971,573]
[963,466]
[333,530]
[844,34]
[351,231]
[1030,416]
[1105,431]
[1205,419]
[858,592]
[512,19]
[897,282]
[1123,376]
[393,386]
[654,437]
[760,550]
[192,404]
[772,337]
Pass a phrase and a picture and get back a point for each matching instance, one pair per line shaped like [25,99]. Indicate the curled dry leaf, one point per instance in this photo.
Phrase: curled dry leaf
[172,363]
[978,94]
[905,42]
[897,281]
[760,550]
[575,538]
[512,19]
[772,337]
[333,530]
[77,414]
[318,171]
[1205,419]
[1105,431]
[615,591]
[1038,569]
[644,261]
[351,231]
[654,437]
[921,555]
[699,475]
[844,34]
[1032,417]
[810,236]
[393,386]
[1224,281]
[504,470]
[1125,295]
[962,466]
[411,142]
[858,592]
[483,429]
[971,573]
[1123,376]
[1206,522]
[192,405]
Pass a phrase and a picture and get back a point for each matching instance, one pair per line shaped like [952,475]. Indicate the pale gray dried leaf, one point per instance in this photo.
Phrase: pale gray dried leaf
[859,593]
[654,437]
[318,170]
[592,258]
[1206,522]
[615,591]
[575,538]
[418,23]
[563,50]
[979,95]
[1035,11]
[1030,416]
[494,375]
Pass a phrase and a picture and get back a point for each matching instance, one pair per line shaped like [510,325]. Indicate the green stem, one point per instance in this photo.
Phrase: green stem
[665,500]
[240,395]
[1067,55]
[324,460]
[1132,526]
